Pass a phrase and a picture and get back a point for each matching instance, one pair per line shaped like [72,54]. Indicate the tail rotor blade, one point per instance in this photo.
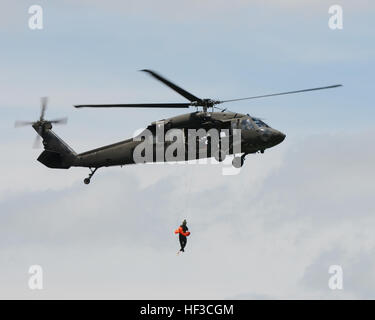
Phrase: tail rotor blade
[36,144]
[59,121]
[44,101]
[18,124]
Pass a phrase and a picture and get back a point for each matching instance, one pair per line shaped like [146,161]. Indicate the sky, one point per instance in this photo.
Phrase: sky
[270,232]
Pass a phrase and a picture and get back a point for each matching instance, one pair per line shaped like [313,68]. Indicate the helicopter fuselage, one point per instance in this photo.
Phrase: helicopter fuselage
[255,136]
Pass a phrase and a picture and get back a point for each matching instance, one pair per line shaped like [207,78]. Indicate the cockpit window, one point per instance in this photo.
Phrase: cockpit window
[243,124]
[246,124]
[260,123]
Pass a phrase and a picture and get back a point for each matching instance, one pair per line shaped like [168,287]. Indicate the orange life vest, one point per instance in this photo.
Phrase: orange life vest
[181,231]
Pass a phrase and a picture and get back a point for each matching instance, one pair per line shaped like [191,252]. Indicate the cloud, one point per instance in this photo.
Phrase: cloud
[269,232]
[274,228]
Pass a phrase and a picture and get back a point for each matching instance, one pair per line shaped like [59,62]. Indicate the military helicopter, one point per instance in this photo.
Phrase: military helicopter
[256,135]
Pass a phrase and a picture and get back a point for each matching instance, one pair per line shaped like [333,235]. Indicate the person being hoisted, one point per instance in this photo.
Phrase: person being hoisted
[183,233]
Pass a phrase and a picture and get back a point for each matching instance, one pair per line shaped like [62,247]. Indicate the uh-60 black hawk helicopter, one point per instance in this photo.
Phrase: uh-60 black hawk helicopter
[256,136]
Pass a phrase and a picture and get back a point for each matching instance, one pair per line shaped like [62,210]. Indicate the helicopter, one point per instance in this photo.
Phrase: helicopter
[255,134]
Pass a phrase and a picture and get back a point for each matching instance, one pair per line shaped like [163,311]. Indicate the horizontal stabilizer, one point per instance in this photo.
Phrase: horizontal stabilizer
[53,159]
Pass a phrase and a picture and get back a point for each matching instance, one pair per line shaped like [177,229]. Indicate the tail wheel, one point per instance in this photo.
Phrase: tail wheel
[238,162]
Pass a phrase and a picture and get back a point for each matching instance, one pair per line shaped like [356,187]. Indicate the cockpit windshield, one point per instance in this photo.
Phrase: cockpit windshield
[246,124]
[260,123]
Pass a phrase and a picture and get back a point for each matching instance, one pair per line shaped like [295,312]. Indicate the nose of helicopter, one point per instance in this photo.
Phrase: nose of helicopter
[277,137]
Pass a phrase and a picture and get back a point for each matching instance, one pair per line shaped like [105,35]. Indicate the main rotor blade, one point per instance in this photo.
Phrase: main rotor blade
[171,85]
[281,93]
[136,105]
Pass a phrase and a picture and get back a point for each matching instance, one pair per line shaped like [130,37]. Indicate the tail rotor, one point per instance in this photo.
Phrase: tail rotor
[41,125]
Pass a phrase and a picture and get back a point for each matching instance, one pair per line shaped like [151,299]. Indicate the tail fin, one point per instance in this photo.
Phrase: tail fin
[57,153]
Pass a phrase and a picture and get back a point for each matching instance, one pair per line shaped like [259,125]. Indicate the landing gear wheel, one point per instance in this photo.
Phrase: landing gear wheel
[238,162]
[88,179]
